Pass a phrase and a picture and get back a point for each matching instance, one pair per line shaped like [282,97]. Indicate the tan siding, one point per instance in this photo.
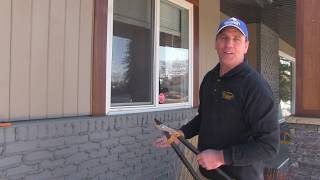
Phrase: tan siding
[46,57]
[5,31]
[70,90]
[56,58]
[39,58]
[85,55]
[20,59]
[208,23]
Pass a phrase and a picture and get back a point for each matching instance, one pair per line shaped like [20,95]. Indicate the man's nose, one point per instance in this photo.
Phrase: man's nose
[229,42]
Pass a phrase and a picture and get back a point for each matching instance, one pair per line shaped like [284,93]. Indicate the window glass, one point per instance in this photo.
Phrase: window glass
[173,54]
[286,87]
[132,42]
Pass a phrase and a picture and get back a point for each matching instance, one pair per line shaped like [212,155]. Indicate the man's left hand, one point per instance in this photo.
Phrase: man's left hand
[210,159]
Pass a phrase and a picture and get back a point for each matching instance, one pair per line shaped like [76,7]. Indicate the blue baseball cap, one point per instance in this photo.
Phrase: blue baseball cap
[234,22]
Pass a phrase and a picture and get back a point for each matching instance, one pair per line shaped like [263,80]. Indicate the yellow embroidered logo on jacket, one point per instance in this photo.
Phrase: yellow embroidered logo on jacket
[227,95]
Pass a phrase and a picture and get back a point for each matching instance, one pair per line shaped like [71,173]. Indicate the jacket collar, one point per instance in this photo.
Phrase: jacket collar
[233,71]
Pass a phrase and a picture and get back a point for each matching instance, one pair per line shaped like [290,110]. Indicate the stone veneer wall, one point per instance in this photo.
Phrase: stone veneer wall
[268,57]
[117,147]
[304,149]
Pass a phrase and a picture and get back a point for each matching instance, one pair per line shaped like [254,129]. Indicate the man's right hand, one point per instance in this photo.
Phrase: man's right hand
[162,142]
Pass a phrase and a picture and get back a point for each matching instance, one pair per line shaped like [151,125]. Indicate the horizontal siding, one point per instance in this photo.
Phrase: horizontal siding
[46,54]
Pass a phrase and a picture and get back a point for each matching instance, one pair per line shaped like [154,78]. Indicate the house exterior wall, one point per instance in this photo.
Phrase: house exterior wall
[286,48]
[253,41]
[304,148]
[268,58]
[109,147]
[46,52]
[209,19]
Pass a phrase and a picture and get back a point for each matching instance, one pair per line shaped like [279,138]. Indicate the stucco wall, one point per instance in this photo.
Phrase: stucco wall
[111,148]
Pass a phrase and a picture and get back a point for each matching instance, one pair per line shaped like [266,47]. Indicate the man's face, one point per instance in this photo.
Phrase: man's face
[231,46]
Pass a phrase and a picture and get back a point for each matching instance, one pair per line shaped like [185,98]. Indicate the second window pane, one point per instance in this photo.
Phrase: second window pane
[174,54]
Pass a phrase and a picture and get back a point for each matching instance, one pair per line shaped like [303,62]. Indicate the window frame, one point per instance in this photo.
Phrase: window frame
[293,86]
[155,105]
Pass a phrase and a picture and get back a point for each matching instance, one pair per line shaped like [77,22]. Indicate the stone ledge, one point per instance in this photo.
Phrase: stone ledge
[303,120]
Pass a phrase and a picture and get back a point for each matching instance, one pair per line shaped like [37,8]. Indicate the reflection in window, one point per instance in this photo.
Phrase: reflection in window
[174,54]
[286,87]
[131,73]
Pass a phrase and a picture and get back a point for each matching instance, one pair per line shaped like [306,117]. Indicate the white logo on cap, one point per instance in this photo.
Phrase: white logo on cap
[233,21]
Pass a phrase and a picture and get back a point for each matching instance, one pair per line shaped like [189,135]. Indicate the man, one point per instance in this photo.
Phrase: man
[237,119]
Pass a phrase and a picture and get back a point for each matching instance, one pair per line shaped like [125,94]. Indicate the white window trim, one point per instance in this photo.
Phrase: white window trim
[293,60]
[155,106]
[287,56]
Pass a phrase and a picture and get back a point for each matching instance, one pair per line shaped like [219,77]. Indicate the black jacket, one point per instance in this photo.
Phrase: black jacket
[237,114]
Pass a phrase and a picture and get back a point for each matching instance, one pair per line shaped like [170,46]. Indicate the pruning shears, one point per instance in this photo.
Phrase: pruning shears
[173,134]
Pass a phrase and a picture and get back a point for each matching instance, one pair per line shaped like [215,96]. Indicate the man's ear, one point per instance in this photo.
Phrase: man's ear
[246,46]
[215,44]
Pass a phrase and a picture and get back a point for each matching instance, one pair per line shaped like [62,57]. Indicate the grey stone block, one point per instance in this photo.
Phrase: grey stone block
[2,138]
[64,171]
[92,125]
[68,129]
[10,161]
[80,126]
[22,133]
[117,165]
[110,142]
[103,152]
[51,142]
[42,131]
[94,171]
[127,140]
[64,152]
[99,124]
[134,131]
[118,133]
[80,175]
[76,139]
[38,155]
[32,132]
[10,134]
[127,155]
[109,159]
[21,170]
[90,164]
[125,122]
[52,131]
[88,146]
[39,176]
[99,135]
[77,158]
[21,147]
[46,164]
[118,149]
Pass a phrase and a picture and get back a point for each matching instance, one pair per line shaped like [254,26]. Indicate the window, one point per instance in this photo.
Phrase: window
[151,61]
[286,85]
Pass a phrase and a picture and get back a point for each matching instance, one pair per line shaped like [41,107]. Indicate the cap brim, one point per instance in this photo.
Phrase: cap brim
[231,26]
